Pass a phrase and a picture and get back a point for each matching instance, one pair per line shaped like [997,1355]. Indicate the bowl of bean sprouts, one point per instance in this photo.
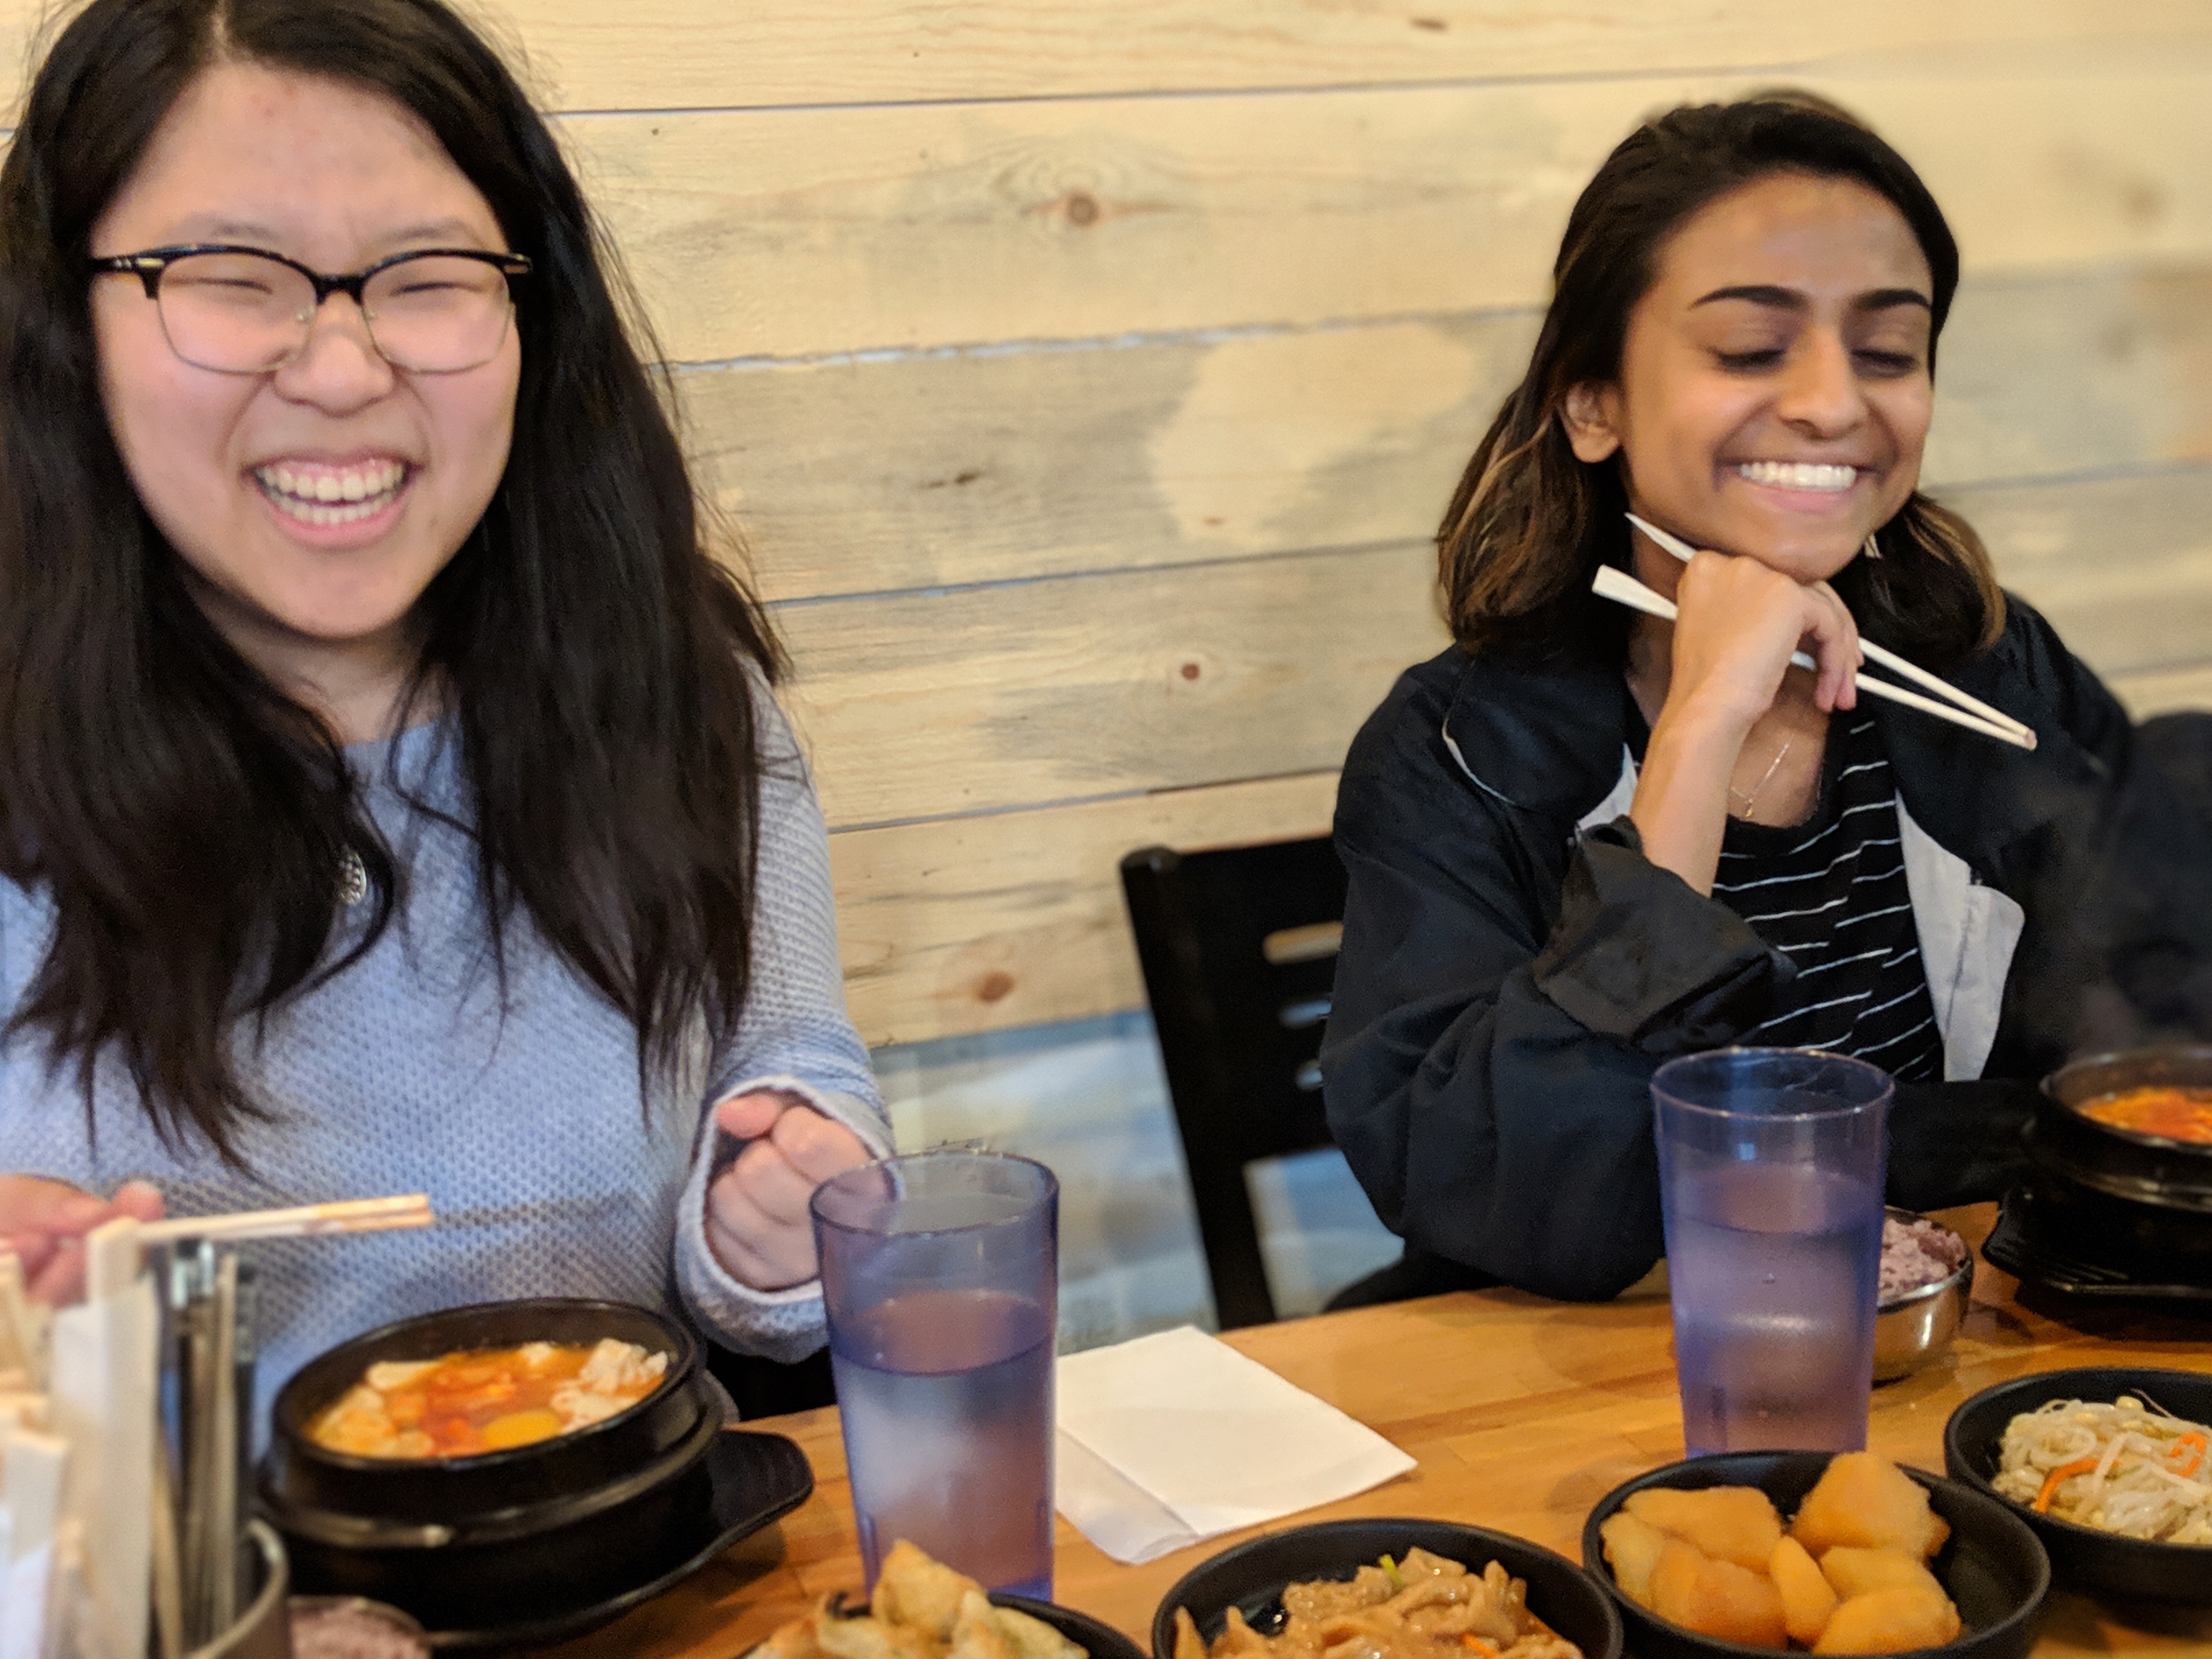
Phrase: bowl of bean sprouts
[2111,1466]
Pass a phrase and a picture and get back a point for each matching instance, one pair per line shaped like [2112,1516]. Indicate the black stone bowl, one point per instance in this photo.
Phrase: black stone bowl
[1991,1566]
[472,1542]
[1973,1440]
[1253,1576]
[2124,1164]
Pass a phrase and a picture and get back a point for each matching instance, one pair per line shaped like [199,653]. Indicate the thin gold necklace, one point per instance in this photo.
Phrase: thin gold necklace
[1772,766]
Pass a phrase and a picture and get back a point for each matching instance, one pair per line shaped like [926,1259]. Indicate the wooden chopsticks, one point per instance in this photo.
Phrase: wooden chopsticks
[359,1215]
[1960,709]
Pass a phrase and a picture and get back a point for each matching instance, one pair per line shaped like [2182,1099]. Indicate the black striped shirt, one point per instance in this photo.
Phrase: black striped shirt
[1830,894]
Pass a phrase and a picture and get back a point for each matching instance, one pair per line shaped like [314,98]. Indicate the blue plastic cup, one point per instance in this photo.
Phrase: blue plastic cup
[940,1275]
[1771,1167]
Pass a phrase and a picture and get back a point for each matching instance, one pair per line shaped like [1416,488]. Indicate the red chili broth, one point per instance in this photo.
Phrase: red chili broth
[2163,1109]
[464,1394]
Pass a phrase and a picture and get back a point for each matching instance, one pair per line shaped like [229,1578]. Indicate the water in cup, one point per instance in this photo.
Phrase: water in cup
[1774,1274]
[947,1402]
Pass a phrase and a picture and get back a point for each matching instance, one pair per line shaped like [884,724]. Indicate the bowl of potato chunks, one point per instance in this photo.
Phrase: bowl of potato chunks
[1752,1553]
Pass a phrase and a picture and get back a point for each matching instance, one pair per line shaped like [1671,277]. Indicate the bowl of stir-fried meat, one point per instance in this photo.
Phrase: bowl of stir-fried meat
[1386,1589]
[2111,1466]
[492,1461]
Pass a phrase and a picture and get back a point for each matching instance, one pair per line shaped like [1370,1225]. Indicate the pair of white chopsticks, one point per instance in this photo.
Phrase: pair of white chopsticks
[1960,709]
[356,1215]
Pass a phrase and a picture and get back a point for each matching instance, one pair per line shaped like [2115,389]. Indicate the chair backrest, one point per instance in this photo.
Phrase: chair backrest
[1238,946]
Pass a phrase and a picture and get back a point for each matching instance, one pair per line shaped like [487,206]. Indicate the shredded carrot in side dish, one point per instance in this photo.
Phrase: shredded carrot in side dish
[2063,1472]
[2195,1444]
[1488,1649]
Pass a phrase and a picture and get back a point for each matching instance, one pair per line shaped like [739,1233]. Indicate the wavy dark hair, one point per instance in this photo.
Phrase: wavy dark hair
[189,821]
[1530,522]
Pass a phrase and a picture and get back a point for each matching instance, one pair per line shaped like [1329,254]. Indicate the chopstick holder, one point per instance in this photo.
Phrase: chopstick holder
[102,1403]
[2008,729]
[22,1331]
[1622,588]
[34,1467]
[1171,1438]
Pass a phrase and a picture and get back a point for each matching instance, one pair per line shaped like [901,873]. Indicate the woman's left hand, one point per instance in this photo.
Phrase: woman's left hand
[757,1224]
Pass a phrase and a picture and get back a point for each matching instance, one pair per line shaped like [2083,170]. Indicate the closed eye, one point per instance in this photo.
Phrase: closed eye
[1887,364]
[1748,362]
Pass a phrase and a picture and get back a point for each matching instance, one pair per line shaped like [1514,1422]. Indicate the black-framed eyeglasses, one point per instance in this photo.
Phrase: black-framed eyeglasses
[247,311]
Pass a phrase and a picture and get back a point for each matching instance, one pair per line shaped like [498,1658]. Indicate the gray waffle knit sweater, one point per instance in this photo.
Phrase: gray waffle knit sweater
[401,1075]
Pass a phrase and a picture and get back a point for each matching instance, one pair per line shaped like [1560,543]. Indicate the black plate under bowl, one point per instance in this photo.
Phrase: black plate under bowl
[1098,1639]
[1252,1577]
[2048,1236]
[1973,1440]
[1991,1567]
[757,1477]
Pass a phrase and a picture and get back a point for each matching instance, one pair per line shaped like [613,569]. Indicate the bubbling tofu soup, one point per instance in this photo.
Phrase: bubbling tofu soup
[485,1400]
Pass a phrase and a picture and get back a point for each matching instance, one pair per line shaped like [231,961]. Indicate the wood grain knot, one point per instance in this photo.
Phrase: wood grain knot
[1190,671]
[993,986]
[1082,208]
[1436,24]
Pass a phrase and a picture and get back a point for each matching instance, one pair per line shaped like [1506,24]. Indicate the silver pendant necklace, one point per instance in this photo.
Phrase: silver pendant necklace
[353,879]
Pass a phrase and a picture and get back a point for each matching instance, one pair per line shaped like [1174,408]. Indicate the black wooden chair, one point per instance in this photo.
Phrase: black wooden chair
[1238,947]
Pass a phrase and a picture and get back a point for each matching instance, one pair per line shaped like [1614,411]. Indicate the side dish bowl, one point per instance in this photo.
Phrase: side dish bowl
[2080,1556]
[1916,1326]
[1099,1640]
[1251,1576]
[470,1541]
[1991,1567]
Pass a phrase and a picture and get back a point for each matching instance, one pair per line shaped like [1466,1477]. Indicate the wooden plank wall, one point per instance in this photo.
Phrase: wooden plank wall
[1088,375]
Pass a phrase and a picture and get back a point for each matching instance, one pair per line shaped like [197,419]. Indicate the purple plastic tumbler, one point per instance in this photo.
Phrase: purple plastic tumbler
[939,1272]
[1771,1165]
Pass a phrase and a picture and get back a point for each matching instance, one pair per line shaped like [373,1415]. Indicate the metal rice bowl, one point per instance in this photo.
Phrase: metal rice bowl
[1916,1327]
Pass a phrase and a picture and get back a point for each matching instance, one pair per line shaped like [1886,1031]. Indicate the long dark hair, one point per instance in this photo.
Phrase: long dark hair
[1530,522]
[189,822]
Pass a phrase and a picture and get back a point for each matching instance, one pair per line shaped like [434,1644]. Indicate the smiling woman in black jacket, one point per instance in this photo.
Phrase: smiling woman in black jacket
[1579,844]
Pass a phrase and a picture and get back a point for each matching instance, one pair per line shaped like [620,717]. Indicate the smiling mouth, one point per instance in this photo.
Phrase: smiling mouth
[333,496]
[1825,477]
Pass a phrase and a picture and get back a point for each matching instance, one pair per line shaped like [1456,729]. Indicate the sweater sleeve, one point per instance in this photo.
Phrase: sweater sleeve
[1488,1062]
[795,1036]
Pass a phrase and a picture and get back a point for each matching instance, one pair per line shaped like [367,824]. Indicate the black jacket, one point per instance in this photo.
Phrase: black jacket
[1507,986]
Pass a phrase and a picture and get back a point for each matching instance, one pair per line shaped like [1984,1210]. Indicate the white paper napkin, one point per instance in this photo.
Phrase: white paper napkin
[1172,1438]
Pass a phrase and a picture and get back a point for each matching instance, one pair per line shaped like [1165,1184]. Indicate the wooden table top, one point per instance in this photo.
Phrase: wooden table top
[1522,1412]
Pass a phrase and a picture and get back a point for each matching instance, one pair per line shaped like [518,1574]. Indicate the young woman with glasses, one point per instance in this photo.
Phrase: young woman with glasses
[1583,840]
[390,796]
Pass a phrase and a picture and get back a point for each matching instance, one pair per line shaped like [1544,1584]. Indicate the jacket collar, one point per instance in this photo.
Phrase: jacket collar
[1544,737]
[1979,798]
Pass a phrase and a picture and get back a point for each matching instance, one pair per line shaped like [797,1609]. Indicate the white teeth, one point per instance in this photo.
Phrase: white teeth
[332,498]
[1800,475]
